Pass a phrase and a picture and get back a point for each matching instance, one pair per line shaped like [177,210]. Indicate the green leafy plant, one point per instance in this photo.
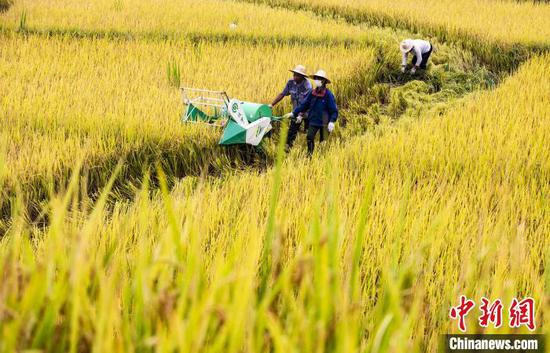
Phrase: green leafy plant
[22,22]
[173,74]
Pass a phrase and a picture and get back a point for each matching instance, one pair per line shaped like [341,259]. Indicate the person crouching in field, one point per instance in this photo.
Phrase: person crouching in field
[421,50]
[321,109]
[298,89]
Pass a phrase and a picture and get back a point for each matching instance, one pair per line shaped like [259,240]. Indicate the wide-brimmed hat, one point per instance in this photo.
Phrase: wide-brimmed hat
[406,45]
[320,74]
[300,70]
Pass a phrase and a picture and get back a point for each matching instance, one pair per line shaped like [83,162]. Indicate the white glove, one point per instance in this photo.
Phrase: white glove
[270,106]
[413,70]
[330,127]
[299,119]
[403,69]
[288,116]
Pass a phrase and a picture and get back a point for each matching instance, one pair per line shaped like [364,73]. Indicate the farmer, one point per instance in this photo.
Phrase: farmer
[421,50]
[298,89]
[321,109]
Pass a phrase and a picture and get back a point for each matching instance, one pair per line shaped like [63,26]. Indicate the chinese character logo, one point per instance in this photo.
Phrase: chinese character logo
[490,313]
[521,313]
[459,312]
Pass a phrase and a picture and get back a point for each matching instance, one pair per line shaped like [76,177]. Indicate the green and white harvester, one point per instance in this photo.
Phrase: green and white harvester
[242,122]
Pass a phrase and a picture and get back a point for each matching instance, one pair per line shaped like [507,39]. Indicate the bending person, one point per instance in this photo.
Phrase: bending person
[421,50]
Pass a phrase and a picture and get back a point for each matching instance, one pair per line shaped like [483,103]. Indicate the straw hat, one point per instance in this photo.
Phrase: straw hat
[321,74]
[300,70]
[406,45]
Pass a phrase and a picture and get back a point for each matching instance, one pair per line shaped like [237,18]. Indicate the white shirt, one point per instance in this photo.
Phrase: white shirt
[419,47]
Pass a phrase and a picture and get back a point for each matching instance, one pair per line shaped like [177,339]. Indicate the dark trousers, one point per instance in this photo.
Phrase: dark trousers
[425,58]
[311,132]
[292,132]
[306,124]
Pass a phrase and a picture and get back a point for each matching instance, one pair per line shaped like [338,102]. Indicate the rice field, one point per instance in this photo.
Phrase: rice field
[172,19]
[53,115]
[124,230]
[97,100]
[509,22]
[502,34]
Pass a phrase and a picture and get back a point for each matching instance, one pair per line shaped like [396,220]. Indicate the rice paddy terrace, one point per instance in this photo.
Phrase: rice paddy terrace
[126,230]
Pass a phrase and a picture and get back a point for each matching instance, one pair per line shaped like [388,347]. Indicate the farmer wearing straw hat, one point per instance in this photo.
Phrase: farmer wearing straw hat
[297,88]
[321,107]
[421,50]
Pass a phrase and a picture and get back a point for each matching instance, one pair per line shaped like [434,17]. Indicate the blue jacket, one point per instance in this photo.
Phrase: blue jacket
[320,109]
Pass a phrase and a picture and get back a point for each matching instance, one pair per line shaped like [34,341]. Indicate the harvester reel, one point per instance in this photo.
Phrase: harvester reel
[243,122]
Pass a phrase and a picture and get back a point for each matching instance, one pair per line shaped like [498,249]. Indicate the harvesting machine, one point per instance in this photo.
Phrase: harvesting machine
[242,122]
